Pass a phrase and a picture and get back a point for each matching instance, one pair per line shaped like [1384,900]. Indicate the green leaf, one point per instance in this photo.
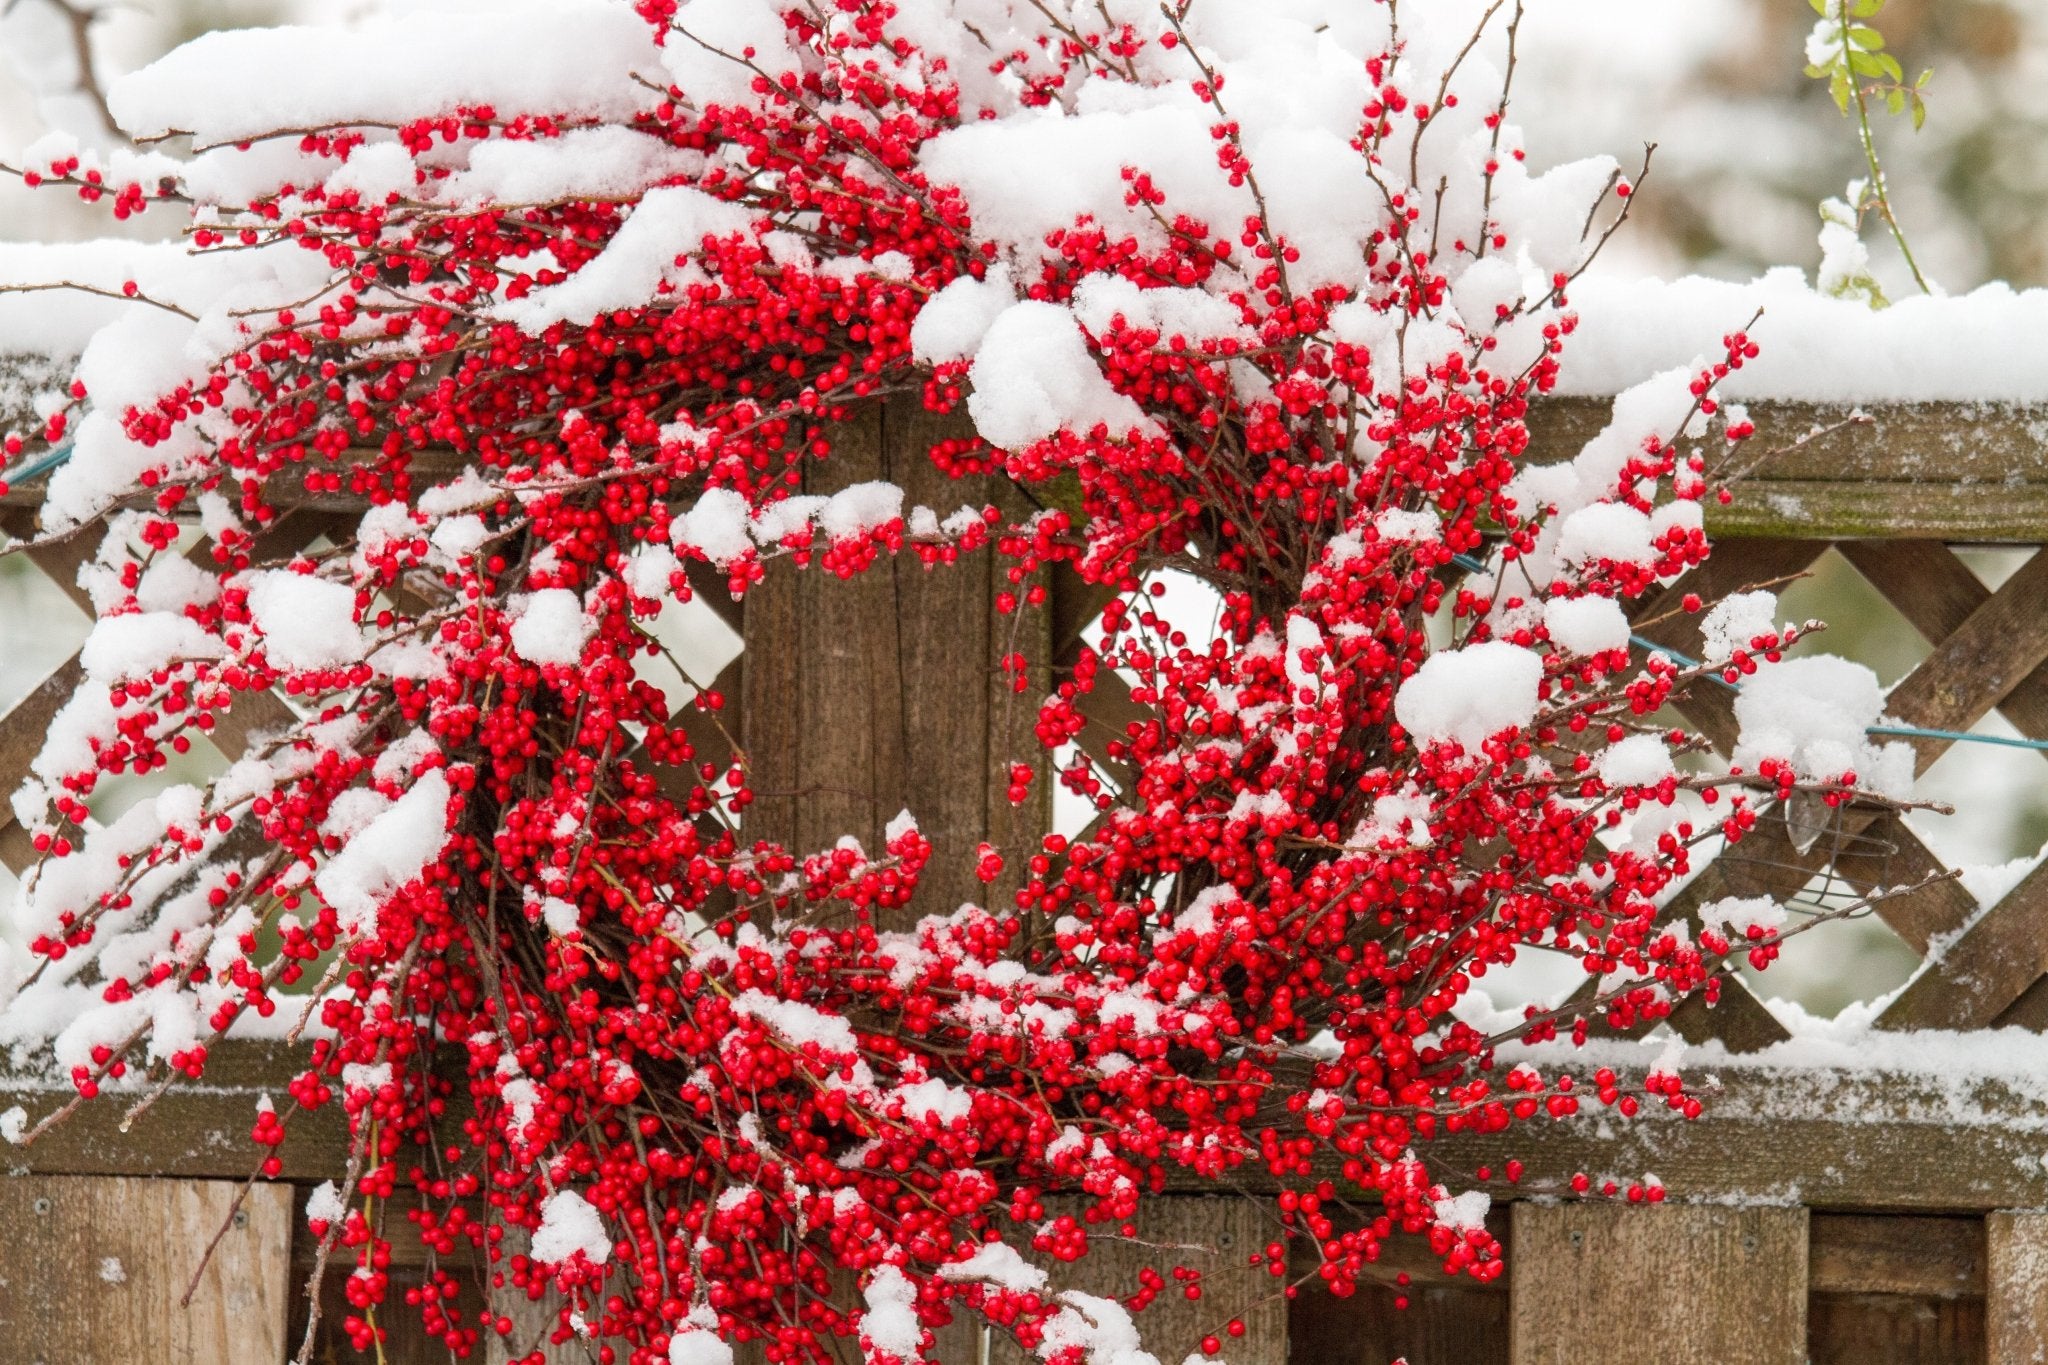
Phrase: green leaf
[1919,112]
[1867,64]
[1869,39]
[1839,87]
[1891,65]
[1925,77]
[1895,100]
[1866,9]
[1820,7]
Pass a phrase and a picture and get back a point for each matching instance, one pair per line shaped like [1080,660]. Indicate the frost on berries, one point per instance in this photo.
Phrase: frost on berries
[1262,297]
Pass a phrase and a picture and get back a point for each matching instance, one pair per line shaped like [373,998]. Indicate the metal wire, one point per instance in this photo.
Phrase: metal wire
[1472,565]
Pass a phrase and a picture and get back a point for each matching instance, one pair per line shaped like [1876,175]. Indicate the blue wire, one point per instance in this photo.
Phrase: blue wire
[40,465]
[1467,562]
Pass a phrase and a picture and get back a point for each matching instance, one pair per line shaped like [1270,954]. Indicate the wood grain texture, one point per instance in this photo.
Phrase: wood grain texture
[2016,1288]
[199,1131]
[92,1271]
[1952,471]
[1979,663]
[1214,1235]
[872,695]
[1985,970]
[1894,1329]
[1898,1255]
[1671,1283]
[1440,1325]
[1845,1141]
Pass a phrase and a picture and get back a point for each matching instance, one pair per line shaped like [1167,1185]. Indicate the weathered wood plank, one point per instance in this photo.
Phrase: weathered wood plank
[1829,1140]
[877,694]
[1212,1235]
[22,729]
[1893,1329]
[1979,663]
[1896,1254]
[1439,1325]
[1928,582]
[1960,512]
[2016,1287]
[94,1269]
[1950,471]
[1995,444]
[199,1131]
[1016,828]
[1836,1141]
[1987,968]
[1670,1283]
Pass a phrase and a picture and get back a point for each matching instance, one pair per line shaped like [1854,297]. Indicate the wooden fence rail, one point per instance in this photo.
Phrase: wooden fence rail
[1880,1217]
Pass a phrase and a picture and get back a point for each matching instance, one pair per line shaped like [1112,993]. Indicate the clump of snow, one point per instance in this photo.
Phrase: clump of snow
[1402,816]
[1737,619]
[568,1225]
[864,507]
[1734,916]
[1192,315]
[1812,713]
[1100,1328]
[112,1271]
[549,627]
[1987,882]
[1586,625]
[715,527]
[999,1264]
[934,1099]
[307,622]
[699,56]
[1637,761]
[608,162]
[1465,1212]
[1200,915]
[1034,374]
[1470,694]
[890,1323]
[560,916]
[1844,257]
[392,850]
[1606,530]
[133,644]
[561,56]
[639,259]
[324,1203]
[13,1125]
[698,1345]
[1395,523]
[953,321]
[1926,348]
[789,517]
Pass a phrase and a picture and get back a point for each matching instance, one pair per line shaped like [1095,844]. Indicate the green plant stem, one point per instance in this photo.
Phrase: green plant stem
[1884,202]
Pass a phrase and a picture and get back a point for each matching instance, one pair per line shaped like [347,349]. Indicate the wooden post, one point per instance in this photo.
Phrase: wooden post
[2016,1288]
[865,697]
[1674,1283]
[93,1269]
[881,693]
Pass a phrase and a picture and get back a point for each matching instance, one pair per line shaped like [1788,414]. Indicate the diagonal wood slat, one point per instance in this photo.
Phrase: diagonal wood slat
[1985,970]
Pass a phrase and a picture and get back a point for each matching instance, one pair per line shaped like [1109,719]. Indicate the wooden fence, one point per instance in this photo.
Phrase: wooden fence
[1860,1216]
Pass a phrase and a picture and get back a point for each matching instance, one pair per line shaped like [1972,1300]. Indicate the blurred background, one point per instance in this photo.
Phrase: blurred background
[1747,146]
